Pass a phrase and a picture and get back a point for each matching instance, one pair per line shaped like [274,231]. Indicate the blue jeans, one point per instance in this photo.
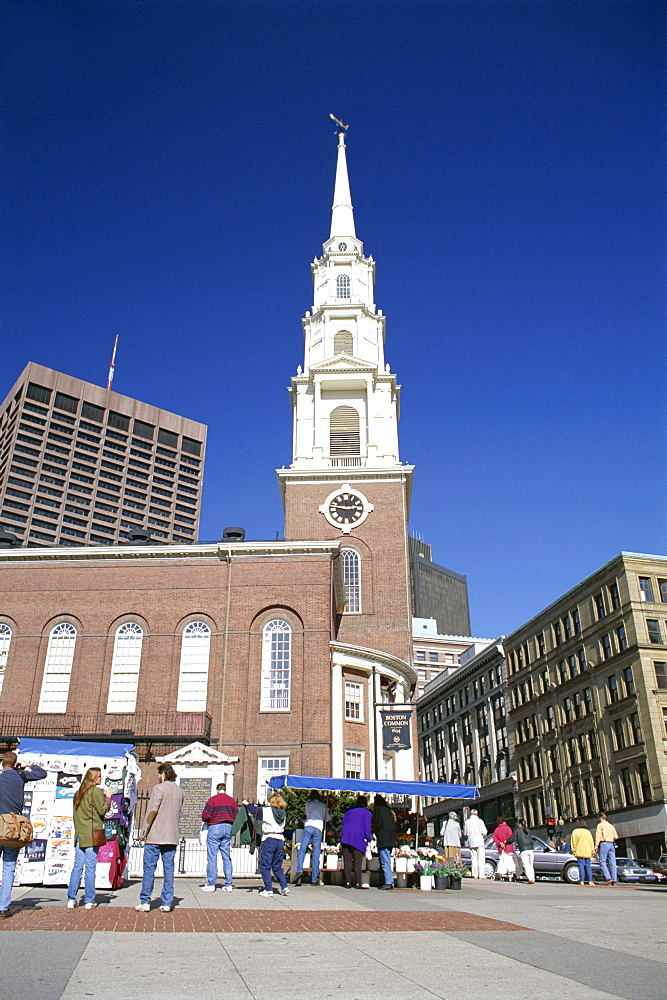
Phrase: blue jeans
[83,856]
[385,864]
[273,853]
[219,839]
[607,853]
[311,835]
[9,856]
[152,854]
[585,869]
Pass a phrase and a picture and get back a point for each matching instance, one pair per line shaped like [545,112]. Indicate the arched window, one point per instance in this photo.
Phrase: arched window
[276,665]
[58,668]
[193,677]
[344,431]
[343,286]
[343,342]
[5,639]
[352,580]
[125,668]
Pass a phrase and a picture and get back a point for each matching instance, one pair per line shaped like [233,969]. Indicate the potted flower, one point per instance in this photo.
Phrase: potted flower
[441,873]
[455,872]
[424,869]
[331,855]
[403,855]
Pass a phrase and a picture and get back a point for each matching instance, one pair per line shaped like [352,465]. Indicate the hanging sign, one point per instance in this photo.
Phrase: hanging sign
[396,729]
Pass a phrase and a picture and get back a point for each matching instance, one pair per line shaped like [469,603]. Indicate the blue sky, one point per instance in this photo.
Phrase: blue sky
[167,174]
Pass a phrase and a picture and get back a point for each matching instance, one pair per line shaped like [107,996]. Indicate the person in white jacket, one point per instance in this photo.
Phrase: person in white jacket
[475,832]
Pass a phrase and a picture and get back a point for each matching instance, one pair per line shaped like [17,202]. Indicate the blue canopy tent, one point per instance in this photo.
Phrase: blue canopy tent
[385,787]
[73,748]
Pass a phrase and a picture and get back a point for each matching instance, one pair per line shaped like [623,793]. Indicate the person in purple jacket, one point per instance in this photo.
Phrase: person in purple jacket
[354,838]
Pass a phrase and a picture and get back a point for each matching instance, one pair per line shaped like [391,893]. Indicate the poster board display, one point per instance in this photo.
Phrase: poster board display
[49,804]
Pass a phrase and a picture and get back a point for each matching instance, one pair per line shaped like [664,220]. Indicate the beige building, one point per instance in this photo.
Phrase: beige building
[81,465]
[588,704]
[435,654]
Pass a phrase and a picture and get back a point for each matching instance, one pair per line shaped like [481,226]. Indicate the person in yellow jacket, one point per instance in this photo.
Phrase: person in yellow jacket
[583,848]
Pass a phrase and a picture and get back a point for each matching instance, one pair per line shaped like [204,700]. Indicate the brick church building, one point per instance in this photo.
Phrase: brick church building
[275,653]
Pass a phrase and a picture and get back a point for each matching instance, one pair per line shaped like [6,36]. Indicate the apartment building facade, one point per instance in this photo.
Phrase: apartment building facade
[587,682]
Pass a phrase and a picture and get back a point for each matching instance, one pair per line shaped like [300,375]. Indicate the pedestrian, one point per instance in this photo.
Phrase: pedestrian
[583,848]
[501,835]
[562,846]
[605,845]
[476,832]
[317,815]
[219,814]
[450,833]
[355,836]
[383,825]
[522,839]
[273,842]
[91,805]
[13,778]
[160,836]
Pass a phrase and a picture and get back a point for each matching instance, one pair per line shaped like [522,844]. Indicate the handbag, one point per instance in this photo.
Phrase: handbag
[15,830]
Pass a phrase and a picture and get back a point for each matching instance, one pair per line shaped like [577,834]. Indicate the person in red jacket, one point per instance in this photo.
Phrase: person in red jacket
[219,812]
[502,833]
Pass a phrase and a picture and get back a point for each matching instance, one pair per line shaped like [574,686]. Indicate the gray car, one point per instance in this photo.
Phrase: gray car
[548,862]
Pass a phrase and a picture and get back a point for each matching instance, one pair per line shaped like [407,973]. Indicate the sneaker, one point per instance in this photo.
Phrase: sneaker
[166,909]
[284,892]
[143,907]
[72,904]
[228,888]
[89,906]
[298,878]
[266,892]
[365,885]
[207,888]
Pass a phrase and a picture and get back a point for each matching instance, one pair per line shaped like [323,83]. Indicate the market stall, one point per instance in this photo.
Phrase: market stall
[49,858]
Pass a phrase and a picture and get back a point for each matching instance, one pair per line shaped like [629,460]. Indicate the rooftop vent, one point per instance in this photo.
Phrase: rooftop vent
[138,536]
[233,534]
[8,540]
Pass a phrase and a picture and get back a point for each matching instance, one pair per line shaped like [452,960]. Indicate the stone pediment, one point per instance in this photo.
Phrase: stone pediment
[342,363]
[197,753]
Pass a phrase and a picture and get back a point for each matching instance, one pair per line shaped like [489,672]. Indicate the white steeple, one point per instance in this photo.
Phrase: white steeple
[342,217]
[345,402]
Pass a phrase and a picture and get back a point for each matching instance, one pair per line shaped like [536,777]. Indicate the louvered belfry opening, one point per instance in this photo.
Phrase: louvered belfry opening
[343,342]
[344,431]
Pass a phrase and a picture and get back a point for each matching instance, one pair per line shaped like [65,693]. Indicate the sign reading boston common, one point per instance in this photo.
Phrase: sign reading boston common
[396,729]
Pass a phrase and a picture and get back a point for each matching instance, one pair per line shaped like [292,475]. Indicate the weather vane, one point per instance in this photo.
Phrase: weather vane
[339,123]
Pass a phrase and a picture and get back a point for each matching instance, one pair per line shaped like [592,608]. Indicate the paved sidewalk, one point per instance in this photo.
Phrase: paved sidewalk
[543,941]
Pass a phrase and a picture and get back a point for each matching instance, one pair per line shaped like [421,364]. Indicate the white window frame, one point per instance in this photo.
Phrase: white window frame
[58,668]
[343,287]
[125,667]
[267,767]
[354,700]
[351,569]
[5,643]
[276,676]
[354,757]
[193,671]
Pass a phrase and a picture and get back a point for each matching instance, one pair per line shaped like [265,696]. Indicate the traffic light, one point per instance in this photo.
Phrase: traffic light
[551,823]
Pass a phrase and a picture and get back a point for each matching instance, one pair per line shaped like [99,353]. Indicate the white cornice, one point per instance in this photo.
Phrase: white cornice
[217,550]
[376,656]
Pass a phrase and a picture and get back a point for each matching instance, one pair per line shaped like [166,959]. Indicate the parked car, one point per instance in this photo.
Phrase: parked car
[658,867]
[631,870]
[548,862]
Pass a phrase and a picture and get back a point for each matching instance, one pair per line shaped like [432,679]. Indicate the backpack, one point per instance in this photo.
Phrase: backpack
[15,830]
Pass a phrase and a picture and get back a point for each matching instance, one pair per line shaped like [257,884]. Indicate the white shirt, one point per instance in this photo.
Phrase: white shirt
[317,814]
[475,831]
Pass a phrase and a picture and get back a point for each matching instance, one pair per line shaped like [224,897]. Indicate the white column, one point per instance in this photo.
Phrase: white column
[378,723]
[371,727]
[336,720]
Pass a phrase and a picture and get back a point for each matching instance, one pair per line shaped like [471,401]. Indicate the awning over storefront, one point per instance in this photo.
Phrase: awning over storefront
[73,748]
[430,788]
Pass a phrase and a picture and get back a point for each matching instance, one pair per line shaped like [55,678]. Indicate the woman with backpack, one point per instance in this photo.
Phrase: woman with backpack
[91,805]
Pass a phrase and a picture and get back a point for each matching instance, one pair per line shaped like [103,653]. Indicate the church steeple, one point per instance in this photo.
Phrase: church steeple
[342,216]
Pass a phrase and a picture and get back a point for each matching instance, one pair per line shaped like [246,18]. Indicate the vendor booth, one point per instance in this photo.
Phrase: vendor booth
[49,804]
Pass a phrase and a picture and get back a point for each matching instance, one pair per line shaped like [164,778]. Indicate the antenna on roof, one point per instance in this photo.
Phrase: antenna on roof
[112,365]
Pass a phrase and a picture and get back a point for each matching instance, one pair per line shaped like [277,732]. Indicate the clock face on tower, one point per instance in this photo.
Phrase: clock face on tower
[346,508]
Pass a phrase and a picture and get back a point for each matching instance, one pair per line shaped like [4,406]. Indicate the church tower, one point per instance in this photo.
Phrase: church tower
[346,480]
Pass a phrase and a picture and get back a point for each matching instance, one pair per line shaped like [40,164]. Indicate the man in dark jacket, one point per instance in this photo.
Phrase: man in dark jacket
[13,780]
[522,839]
[384,828]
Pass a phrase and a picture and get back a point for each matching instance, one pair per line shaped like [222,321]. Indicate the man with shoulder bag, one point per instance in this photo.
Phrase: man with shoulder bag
[13,778]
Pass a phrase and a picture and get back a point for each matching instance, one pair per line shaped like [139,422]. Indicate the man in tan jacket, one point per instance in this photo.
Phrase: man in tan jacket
[605,845]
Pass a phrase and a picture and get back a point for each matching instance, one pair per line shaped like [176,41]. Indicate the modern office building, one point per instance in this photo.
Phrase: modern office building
[588,704]
[80,465]
[464,734]
[434,654]
[438,592]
